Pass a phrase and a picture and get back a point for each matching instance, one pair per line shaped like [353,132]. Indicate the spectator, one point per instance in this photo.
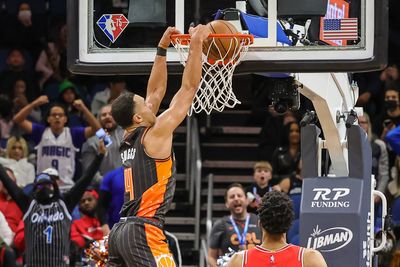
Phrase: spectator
[262,177]
[25,31]
[17,160]
[117,85]
[52,62]
[8,206]
[21,97]
[68,95]
[16,69]
[285,159]
[276,217]
[7,254]
[47,220]
[113,159]
[112,191]
[380,160]
[6,123]
[270,140]
[56,144]
[238,231]
[88,227]
[390,117]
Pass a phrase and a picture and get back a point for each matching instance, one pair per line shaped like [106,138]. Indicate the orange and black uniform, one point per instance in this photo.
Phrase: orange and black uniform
[138,239]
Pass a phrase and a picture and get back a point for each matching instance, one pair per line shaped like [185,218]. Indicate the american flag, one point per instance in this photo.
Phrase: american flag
[340,29]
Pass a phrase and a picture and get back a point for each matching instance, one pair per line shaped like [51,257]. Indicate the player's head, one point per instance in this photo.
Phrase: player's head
[236,200]
[130,109]
[57,117]
[262,173]
[17,148]
[106,119]
[88,202]
[276,213]
[45,189]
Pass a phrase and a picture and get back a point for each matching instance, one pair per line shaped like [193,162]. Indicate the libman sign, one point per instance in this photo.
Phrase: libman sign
[331,239]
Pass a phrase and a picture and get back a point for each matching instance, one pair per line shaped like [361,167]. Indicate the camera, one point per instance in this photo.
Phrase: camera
[101,134]
[284,95]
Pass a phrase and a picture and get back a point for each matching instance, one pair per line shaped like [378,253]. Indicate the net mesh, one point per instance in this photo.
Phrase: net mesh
[215,89]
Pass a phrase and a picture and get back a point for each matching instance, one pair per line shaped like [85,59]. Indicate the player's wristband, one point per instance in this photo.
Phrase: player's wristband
[161,51]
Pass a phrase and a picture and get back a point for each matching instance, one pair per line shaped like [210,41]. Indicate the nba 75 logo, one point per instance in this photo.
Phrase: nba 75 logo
[113,25]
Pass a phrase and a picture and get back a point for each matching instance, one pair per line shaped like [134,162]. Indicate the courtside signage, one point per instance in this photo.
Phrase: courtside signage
[330,198]
[330,239]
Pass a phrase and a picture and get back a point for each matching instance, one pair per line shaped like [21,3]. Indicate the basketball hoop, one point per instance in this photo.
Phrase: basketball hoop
[215,90]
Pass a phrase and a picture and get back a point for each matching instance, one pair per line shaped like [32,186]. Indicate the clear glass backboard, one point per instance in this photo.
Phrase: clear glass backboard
[120,36]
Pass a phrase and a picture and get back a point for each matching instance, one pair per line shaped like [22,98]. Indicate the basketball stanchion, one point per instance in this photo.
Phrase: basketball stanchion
[221,54]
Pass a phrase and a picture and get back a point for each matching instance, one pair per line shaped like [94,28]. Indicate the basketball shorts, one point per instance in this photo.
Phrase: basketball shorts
[138,242]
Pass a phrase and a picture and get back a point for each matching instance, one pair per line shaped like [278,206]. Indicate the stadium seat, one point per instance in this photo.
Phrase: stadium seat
[296,198]
[3,59]
[293,230]
[396,211]
[58,8]
[11,6]
[38,7]
[295,240]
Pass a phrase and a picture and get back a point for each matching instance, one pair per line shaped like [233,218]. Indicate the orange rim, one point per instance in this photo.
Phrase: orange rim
[185,38]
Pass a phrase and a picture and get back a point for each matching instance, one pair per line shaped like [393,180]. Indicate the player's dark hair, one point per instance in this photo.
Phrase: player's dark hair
[122,109]
[231,186]
[276,212]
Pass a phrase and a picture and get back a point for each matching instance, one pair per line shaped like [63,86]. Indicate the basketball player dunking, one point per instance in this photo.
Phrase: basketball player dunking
[276,215]
[147,158]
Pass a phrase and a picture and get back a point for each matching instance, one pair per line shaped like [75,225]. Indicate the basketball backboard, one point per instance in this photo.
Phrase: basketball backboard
[119,37]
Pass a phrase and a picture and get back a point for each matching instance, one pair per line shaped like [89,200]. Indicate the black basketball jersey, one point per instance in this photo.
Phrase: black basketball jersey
[149,182]
[47,234]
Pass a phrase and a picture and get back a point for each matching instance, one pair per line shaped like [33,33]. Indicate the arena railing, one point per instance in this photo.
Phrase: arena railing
[193,170]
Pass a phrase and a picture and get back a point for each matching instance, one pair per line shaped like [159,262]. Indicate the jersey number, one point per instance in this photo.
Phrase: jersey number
[129,183]
[54,164]
[48,232]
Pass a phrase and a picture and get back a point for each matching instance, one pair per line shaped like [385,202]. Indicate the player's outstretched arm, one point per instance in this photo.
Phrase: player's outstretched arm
[314,258]
[161,133]
[157,84]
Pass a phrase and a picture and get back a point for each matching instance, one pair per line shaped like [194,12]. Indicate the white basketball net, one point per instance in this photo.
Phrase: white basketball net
[215,90]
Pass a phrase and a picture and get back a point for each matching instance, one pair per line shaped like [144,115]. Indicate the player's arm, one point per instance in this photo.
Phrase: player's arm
[94,124]
[313,258]
[236,260]
[20,117]
[170,119]
[157,84]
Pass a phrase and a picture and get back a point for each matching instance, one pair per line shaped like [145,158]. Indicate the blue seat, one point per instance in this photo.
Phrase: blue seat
[38,7]
[295,240]
[51,90]
[296,198]
[396,211]
[12,6]
[293,230]
[3,59]
[58,8]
